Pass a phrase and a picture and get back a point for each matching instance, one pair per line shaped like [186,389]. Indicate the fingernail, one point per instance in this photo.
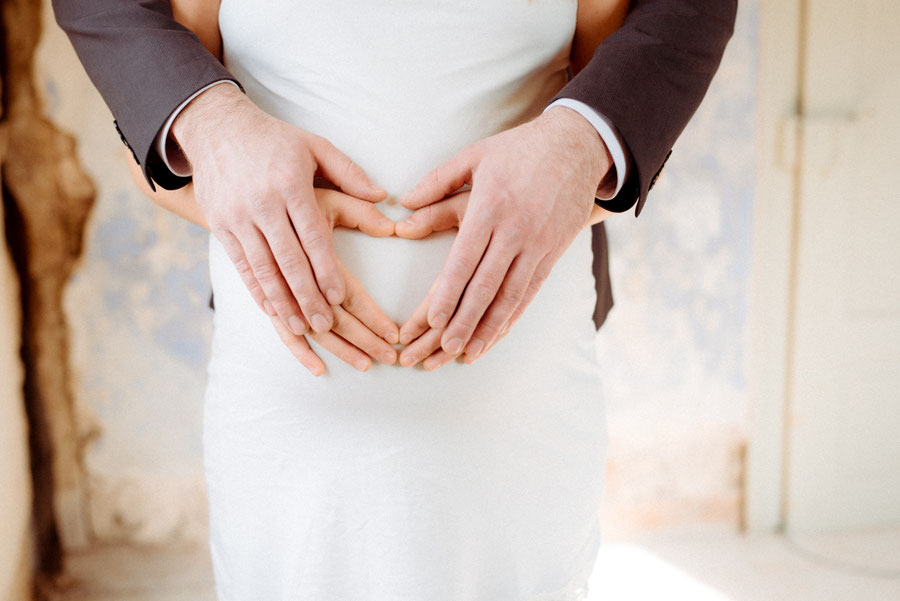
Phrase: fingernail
[319,323]
[408,361]
[474,348]
[430,363]
[333,296]
[391,337]
[388,357]
[440,321]
[297,325]
[385,222]
[405,339]
[506,329]
[362,365]
[268,307]
[454,346]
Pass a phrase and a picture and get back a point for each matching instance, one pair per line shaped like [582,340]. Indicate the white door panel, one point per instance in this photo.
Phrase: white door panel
[843,455]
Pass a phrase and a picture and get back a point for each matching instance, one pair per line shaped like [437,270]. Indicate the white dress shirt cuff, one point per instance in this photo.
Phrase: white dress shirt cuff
[610,136]
[167,148]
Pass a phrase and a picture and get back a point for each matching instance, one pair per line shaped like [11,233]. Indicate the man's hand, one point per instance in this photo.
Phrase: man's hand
[253,179]
[532,191]
[361,331]
[353,338]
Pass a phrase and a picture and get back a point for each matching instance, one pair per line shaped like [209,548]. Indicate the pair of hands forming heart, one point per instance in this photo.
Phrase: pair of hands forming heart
[532,191]
[361,331]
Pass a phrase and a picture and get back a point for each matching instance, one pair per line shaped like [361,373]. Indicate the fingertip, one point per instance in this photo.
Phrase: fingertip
[387,227]
[408,229]
[298,326]
[316,369]
[320,323]
[392,337]
[380,193]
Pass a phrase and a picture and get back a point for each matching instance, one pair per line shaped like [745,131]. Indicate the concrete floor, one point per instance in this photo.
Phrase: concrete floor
[697,564]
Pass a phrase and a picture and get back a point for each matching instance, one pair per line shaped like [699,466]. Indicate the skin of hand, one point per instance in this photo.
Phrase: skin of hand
[253,181]
[422,342]
[361,330]
[532,190]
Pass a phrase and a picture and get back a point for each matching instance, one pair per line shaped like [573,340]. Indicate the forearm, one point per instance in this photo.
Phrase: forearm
[143,63]
[597,215]
[181,202]
[649,77]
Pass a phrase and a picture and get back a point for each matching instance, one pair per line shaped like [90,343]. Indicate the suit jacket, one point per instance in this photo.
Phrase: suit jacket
[647,78]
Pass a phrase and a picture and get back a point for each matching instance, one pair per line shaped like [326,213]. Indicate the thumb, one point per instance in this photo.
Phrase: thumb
[445,179]
[436,217]
[337,167]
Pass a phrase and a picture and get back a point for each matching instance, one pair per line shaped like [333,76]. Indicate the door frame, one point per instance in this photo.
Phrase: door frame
[773,262]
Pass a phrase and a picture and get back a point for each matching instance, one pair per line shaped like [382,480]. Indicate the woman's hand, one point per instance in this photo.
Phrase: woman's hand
[352,338]
[361,330]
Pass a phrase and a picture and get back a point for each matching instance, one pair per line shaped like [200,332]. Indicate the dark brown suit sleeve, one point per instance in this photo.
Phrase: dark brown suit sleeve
[649,77]
[143,63]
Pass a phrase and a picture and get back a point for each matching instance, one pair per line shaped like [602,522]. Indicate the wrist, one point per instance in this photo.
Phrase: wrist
[571,126]
[203,116]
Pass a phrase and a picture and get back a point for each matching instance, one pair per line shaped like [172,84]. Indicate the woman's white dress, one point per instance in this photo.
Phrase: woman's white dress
[472,483]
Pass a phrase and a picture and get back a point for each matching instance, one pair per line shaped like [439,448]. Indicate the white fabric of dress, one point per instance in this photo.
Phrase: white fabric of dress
[471,483]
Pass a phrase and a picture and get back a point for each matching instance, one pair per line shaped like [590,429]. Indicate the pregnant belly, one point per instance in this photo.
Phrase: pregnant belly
[396,273]
[549,354]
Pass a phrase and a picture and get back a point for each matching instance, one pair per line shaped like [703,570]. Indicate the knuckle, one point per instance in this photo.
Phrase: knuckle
[292,263]
[491,329]
[352,303]
[464,264]
[511,296]
[349,168]
[260,207]
[266,270]
[466,324]
[243,266]
[485,292]
[313,238]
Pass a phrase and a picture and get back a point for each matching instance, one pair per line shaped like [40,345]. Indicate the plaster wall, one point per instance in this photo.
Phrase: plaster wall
[140,326]
[674,346]
[15,482]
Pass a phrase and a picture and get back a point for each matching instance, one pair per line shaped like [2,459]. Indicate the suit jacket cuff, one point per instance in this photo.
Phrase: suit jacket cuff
[608,189]
[167,148]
